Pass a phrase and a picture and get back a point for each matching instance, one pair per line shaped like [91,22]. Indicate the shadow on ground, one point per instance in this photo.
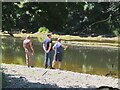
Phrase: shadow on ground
[21,83]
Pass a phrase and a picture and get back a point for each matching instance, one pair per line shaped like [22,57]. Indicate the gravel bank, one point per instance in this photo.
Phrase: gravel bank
[18,76]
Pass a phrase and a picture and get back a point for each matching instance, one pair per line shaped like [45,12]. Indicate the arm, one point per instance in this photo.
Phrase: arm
[31,47]
[50,45]
[65,47]
[54,47]
[24,46]
[44,47]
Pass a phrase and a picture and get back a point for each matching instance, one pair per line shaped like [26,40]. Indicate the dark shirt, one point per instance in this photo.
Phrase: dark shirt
[47,42]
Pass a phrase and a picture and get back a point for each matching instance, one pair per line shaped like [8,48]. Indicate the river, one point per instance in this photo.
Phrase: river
[92,60]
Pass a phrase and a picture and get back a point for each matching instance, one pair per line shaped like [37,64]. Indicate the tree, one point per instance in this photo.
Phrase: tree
[65,17]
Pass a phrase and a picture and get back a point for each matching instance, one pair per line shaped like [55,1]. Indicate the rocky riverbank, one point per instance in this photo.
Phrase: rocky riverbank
[18,76]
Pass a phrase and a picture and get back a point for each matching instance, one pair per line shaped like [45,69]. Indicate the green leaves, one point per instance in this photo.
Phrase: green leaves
[65,17]
[43,30]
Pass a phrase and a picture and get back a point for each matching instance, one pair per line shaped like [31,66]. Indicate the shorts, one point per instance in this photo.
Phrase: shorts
[58,57]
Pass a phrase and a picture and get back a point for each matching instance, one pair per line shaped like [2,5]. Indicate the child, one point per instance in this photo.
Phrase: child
[58,53]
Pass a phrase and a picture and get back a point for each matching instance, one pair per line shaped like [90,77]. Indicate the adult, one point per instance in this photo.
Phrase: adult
[29,51]
[58,53]
[47,46]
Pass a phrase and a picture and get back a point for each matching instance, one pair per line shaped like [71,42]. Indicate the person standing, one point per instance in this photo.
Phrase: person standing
[58,53]
[47,46]
[29,51]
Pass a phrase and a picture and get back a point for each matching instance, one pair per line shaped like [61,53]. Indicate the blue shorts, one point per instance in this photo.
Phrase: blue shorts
[58,56]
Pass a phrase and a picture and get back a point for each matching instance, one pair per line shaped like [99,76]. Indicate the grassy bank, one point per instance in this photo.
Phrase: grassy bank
[77,40]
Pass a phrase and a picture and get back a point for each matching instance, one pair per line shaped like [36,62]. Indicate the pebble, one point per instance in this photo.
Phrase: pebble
[34,78]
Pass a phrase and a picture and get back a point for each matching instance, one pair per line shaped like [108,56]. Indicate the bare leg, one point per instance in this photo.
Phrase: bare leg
[59,64]
[53,64]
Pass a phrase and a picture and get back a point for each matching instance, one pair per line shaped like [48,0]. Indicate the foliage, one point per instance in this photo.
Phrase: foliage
[43,30]
[65,17]
[116,32]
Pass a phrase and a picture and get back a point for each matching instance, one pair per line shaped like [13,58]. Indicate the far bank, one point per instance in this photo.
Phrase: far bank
[98,41]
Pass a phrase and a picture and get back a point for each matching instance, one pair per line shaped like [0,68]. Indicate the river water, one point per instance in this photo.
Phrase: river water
[100,61]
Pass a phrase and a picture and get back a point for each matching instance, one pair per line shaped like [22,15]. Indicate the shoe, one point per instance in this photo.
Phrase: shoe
[52,68]
[32,66]
[46,67]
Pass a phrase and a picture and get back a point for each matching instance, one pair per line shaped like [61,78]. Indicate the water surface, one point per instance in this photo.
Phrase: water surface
[100,61]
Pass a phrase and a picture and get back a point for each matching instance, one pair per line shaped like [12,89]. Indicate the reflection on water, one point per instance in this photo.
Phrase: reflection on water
[76,58]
